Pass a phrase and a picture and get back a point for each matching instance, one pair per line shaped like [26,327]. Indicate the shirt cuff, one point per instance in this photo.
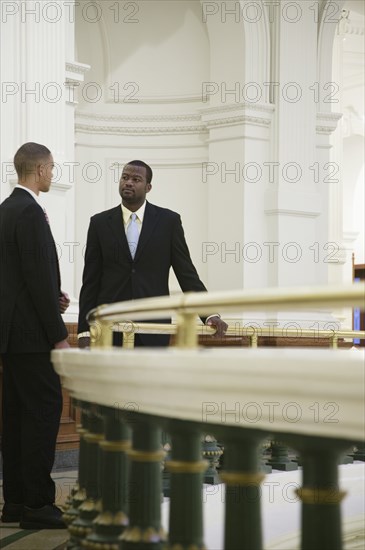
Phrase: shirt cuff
[83,335]
[210,316]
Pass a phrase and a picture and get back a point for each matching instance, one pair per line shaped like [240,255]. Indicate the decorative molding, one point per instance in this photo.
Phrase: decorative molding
[257,114]
[140,130]
[327,122]
[100,123]
[347,26]
[139,119]
[198,123]
[75,75]
[77,68]
[234,121]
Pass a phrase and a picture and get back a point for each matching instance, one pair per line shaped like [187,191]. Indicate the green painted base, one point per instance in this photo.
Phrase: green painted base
[359,456]
[211,477]
[284,466]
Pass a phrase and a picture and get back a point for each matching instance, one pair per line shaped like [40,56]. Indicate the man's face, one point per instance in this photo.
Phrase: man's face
[133,185]
[45,174]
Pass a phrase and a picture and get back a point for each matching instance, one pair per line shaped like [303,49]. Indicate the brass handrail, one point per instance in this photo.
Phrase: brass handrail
[129,329]
[187,306]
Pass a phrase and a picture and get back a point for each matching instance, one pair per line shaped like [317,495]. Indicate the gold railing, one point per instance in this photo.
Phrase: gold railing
[121,317]
[129,329]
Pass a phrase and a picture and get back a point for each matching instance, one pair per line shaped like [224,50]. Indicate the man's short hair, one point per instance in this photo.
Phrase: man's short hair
[149,172]
[28,156]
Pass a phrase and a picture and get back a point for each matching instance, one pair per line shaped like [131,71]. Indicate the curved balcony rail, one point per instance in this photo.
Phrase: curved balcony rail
[107,318]
[311,400]
[129,329]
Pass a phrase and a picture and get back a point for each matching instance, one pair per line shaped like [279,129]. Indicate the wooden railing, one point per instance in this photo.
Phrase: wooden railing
[311,400]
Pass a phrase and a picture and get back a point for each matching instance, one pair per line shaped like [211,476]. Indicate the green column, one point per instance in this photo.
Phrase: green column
[91,506]
[187,468]
[145,488]
[111,522]
[320,493]
[242,477]
[78,493]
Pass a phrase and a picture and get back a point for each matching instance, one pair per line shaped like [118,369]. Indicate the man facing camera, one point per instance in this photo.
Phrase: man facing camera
[130,250]
[31,325]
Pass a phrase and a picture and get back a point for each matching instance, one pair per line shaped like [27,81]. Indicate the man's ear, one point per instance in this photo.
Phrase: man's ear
[148,187]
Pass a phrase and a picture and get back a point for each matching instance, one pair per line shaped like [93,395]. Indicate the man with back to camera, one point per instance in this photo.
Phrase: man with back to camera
[130,249]
[31,326]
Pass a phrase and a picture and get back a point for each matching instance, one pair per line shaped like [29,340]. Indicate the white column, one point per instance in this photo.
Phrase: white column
[36,38]
[239,145]
[293,204]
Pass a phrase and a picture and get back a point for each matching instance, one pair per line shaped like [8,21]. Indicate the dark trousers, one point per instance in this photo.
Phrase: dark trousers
[32,406]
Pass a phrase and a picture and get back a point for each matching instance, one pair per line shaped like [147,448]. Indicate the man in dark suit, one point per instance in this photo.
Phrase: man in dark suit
[130,250]
[31,325]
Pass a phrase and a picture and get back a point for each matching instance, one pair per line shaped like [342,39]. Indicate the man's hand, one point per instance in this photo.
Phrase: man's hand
[64,301]
[84,342]
[62,345]
[219,324]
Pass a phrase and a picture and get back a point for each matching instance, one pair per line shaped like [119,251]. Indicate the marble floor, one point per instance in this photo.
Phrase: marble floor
[14,538]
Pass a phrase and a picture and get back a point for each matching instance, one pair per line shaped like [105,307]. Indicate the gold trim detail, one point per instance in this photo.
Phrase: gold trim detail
[147,535]
[93,438]
[80,495]
[309,495]
[91,545]
[183,467]
[79,531]
[80,430]
[241,478]
[146,456]
[108,518]
[115,446]
[90,505]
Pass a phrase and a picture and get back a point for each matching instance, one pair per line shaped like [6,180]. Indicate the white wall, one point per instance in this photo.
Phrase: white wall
[138,77]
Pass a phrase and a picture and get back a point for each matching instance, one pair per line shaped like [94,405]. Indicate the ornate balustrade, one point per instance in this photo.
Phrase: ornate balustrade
[311,400]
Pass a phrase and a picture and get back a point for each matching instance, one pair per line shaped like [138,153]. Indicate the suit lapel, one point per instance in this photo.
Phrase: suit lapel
[115,220]
[150,220]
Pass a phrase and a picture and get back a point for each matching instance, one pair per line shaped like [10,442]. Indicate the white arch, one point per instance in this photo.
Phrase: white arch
[255,55]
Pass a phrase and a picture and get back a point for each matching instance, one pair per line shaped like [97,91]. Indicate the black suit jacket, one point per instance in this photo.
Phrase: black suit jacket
[110,273]
[30,319]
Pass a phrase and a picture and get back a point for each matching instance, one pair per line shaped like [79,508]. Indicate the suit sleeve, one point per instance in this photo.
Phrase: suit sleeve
[182,264]
[39,264]
[91,277]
